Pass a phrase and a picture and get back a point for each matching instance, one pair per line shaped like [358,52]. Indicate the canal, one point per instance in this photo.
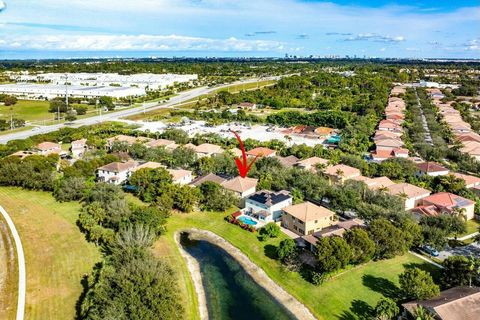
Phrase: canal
[230,292]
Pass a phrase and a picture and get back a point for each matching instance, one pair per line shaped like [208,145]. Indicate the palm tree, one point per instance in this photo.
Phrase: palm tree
[420,313]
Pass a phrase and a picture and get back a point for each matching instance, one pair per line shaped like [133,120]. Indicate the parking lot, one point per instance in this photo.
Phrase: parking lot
[257,132]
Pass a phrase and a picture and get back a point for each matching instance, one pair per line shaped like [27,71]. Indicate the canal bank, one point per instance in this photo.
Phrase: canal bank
[296,310]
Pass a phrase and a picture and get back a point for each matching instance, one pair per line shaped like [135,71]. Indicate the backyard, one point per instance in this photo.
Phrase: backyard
[56,252]
[349,295]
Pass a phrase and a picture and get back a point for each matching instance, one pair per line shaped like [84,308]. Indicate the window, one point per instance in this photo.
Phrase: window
[316,221]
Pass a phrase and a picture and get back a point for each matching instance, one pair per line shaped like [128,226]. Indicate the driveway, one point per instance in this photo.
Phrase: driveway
[469,250]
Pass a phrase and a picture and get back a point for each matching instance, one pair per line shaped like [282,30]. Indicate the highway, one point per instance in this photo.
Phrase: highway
[181,97]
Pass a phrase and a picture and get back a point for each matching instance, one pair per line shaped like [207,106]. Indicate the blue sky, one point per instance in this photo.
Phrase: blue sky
[74,28]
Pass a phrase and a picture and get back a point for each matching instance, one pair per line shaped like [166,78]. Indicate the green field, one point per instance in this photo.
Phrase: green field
[348,296]
[56,252]
[28,110]
[8,273]
[472,226]
[34,110]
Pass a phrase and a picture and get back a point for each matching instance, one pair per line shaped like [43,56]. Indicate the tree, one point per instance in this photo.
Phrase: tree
[70,116]
[270,230]
[332,253]
[81,110]
[106,102]
[177,135]
[386,309]
[185,198]
[362,246]
[421,313]
[10,100]
[183,157]
[418,284]
[388,239]
[57,105]
[152,217]
[69,189]
[132,283]
[286,249]
[150,183]
[460,271]
[215,198]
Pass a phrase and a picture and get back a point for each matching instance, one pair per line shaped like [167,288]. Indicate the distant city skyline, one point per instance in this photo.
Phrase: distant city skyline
[263,28]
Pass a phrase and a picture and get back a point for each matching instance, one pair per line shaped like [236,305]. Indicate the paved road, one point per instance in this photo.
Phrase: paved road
[472,249]
[181,97]
[22,283]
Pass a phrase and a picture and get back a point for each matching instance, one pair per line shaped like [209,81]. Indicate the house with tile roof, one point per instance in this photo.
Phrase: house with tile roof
[472,148]
[266,206]
[457,303]
[432,169]
[47,147]
[129,140]
[470,181]
[116,172]
[207,150]
[307,218]
[167,144]
[340,173]
[337,229]
[311,163]
[78,147]
[211,177]
[261,152]
[242,187]
[389,144]
[288,161]
[148,165]
[411,195]
[180,176]
[446,203]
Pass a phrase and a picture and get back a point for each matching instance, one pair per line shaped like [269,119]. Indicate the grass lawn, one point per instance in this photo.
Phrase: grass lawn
[28,110]
[472,226]
[8,273]
[347,296]
[56,252]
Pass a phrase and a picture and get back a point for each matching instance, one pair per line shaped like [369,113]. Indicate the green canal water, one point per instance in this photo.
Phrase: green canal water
[230,292]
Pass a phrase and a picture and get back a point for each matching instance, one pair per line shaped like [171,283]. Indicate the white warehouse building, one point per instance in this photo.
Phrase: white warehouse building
[141,80]
[49,91]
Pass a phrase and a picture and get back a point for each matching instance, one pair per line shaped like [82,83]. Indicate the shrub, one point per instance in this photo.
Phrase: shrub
[270,230]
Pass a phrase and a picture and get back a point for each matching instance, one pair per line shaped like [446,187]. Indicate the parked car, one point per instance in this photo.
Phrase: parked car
[431,251]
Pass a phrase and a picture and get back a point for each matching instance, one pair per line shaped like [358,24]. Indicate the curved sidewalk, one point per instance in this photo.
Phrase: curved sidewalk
[22,283]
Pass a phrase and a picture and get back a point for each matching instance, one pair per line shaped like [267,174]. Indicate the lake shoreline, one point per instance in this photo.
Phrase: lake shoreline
[291,304]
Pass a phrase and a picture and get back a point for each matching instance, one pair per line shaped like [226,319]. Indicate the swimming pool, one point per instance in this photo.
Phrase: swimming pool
[247,220]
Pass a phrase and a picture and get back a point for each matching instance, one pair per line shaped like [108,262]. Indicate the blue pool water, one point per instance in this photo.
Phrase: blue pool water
[247,220]
[334,139]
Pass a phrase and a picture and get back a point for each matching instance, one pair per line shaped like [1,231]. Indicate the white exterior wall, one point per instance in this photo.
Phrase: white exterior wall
[275,210]
[411,203]
[247,193]
[50,151]
[107,175]
[184,180]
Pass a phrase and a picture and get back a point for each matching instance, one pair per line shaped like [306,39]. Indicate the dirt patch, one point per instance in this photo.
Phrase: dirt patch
[288,301]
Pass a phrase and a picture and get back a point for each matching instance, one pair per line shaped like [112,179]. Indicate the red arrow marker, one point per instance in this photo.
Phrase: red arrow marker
[242,165]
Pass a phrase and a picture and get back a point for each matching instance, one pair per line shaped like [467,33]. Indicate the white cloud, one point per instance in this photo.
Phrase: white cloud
[375,37]
[473,45]
[138,43]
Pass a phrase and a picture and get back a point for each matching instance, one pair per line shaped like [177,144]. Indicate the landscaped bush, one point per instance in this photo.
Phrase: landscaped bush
[270,230]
